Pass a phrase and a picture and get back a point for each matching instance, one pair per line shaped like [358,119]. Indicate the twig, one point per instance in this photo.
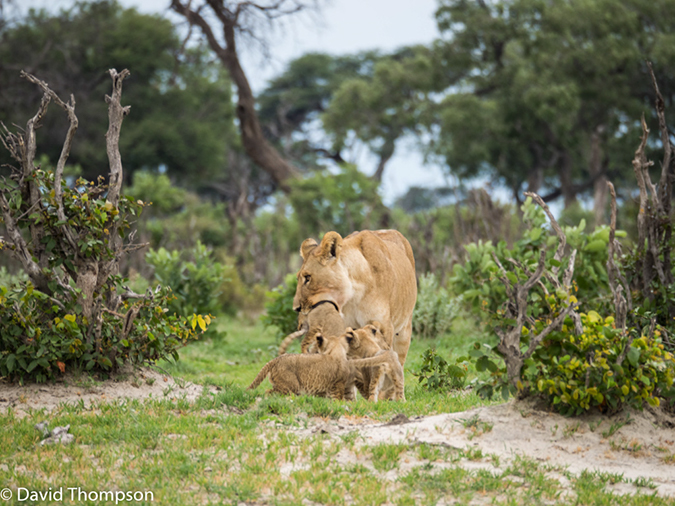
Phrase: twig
[562,240]
[536,340]
[612,269]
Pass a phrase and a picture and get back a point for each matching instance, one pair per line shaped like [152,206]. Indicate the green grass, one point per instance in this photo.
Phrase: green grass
[226,448]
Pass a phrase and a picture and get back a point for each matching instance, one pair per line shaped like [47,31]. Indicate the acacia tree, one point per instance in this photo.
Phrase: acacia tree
[222,23]
[322,103]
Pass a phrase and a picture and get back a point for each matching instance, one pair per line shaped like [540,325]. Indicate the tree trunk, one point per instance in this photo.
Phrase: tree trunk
[254,142]
[566,185]
[386,153]
[596,170]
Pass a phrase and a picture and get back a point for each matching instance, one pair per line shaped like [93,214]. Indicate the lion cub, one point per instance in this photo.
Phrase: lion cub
[378,364]
[328,373]
[323,319]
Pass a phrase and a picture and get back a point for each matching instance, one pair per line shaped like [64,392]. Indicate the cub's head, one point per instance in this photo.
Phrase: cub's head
[322,275]
[332,345]
[366,341]
[324,316]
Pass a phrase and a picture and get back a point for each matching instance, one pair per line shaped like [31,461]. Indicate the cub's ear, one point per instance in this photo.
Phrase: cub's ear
[352,339]
[307,247]
[331,245]
[319,341]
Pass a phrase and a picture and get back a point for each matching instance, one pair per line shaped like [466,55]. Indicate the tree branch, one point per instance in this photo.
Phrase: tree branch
[65,152]
[116,114]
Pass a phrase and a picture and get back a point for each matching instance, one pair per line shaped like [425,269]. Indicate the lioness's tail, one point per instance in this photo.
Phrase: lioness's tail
[290,337]
[261,375]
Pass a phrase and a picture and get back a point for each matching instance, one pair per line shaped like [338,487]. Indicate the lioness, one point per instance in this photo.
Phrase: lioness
[323,319]
[368,275]
[323,374]
[376,362]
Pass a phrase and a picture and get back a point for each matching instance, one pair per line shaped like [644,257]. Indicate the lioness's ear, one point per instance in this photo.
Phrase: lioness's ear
[331,245]
[306,247]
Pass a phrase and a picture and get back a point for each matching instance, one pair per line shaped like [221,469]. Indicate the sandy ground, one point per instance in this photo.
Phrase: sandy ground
[639,449]
[140,383]
[644,447]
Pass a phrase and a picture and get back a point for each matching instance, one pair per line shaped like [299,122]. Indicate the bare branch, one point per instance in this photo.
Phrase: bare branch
[569,272]
[562,240]
[536,340]
[665,181]
[65,152]
[19,248]
[116,115]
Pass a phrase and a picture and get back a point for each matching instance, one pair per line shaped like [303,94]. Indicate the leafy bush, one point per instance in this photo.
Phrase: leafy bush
[572,372]
[434,309]
[576,373]
[193,275]
[344,202]
[44,331]
[279,311]
[7,279]
[437,374]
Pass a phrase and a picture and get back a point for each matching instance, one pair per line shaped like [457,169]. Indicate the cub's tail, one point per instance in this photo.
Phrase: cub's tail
[261,375]
[291,337]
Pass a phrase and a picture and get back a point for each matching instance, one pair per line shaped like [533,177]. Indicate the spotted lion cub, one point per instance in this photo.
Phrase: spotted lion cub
[325,374]
[381,371]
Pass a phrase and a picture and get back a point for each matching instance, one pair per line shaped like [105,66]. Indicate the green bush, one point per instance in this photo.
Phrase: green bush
[434,309]
[43,332]
[573,373]
[194,276]
[279,311]
[576,373]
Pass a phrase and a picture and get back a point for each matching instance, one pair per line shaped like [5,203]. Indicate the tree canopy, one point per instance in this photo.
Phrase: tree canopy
[548,94]
[182,115]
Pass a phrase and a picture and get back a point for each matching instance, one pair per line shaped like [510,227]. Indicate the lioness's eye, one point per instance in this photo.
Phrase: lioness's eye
[307,278]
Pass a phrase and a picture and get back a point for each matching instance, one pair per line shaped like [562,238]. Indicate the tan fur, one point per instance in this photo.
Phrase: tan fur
[383,365]
[369,275]
[381,372]
[323,320]
[327,374]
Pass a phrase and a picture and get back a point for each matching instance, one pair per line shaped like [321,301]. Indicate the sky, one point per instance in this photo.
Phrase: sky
[341,26]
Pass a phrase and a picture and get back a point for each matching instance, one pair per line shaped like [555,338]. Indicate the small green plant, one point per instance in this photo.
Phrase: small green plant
[475,426]
[571,429]
[434,309]
[385,456]
[615,427]
[437,374]
[279,307]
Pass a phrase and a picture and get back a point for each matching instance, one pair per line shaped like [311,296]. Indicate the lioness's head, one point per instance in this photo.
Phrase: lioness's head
[366,341]
[322,275]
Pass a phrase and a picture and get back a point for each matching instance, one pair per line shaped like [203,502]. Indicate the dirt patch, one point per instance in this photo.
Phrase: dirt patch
[642,447]
[142,383]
